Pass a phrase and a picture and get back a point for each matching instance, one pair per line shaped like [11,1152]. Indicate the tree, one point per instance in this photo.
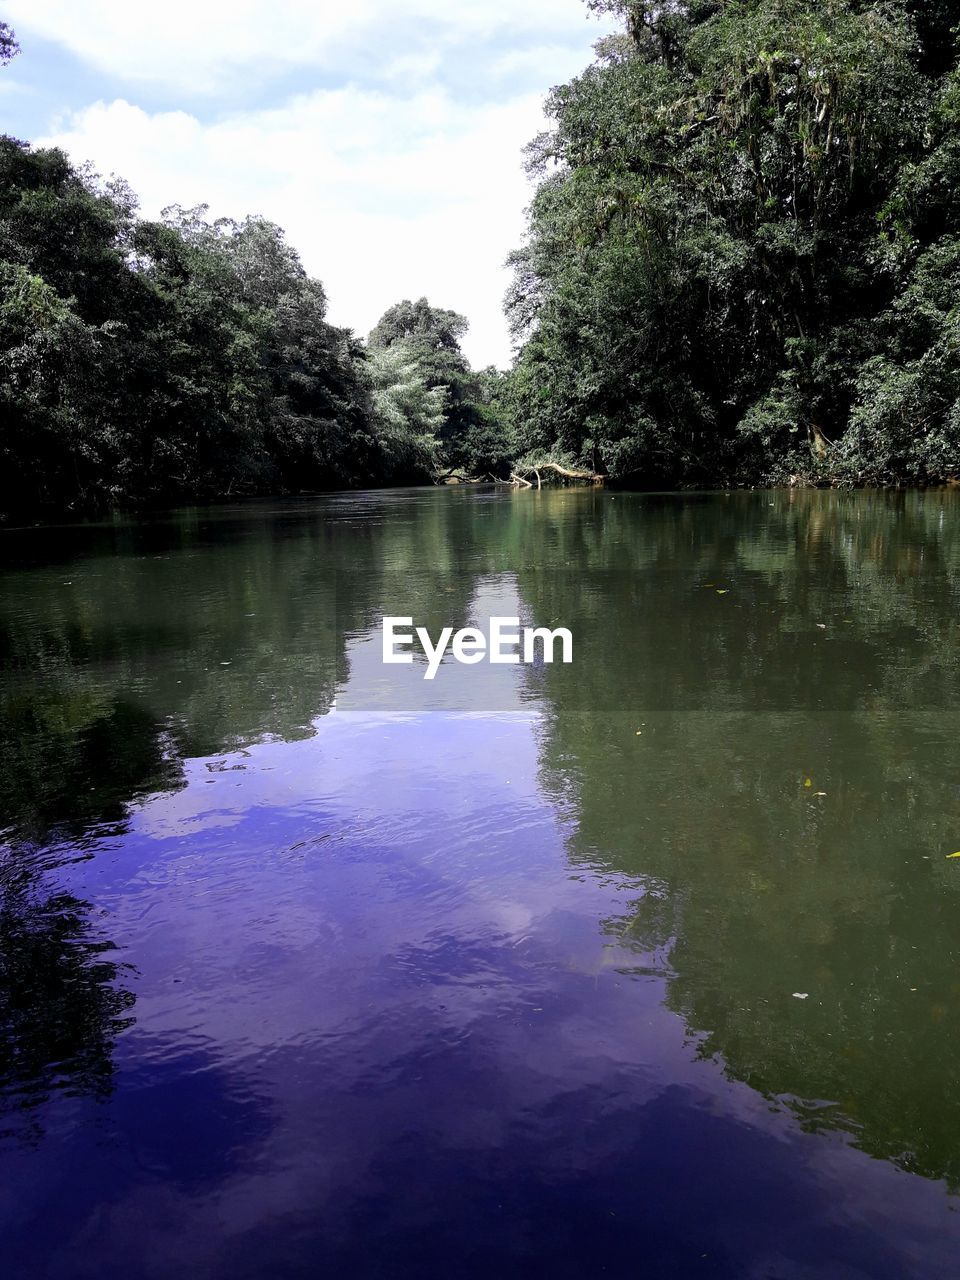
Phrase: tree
[9,47]
[473,435]
[732,198]
[408,413]
[158,361]
[426,328]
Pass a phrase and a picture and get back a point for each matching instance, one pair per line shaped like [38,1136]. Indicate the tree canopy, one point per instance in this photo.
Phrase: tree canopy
[742,261]
[742,267]
[188,358]
[474,435]
[9,47]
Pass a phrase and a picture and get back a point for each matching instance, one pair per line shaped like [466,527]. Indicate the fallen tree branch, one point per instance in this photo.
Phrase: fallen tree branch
[458,476]
[819,443]
[567,472]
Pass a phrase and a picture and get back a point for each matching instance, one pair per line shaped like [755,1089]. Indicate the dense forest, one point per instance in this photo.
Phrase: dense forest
[743,263]
[742,267]
[157,361]
[150,362]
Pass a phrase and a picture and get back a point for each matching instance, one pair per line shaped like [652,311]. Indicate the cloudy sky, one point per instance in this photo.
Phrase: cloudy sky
[386,138]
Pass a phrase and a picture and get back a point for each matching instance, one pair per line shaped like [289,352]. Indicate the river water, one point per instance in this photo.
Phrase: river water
[646,965]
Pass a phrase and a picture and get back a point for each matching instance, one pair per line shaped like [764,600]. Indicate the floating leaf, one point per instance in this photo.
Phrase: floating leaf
[808,782]
[953,855]
[721,591]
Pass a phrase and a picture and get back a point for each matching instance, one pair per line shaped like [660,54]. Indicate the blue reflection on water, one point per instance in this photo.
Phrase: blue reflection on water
[380,1033]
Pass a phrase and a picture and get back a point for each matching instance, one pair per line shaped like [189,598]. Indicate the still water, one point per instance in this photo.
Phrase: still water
[644,966]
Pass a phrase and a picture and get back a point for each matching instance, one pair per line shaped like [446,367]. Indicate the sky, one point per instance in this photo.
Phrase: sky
[386,139]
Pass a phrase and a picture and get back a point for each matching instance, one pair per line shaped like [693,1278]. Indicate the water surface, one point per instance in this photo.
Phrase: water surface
[645,966]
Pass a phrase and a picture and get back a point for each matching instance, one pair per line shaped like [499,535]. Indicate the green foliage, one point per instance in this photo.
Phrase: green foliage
[9,47]
[407,412]
[157,361]
[725,266]
[147,362]
[154,362]
[474,435]
[905,423]
[428,329]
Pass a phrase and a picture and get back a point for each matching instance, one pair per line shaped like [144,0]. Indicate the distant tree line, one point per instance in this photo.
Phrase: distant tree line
[742,267]
[743,261]
[146,362]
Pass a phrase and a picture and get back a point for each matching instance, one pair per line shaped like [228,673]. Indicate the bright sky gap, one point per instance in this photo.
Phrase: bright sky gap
[387,143]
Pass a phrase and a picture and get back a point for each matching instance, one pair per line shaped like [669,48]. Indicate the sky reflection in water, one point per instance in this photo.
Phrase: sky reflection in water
[403,994]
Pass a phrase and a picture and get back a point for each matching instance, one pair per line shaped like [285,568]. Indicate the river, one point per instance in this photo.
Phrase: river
[645,965]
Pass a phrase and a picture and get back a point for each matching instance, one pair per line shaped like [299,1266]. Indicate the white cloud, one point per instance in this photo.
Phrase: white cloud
[401,176]
[545,64]
[385,196]
[192,46]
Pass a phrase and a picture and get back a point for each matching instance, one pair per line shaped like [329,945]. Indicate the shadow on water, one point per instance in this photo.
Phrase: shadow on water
[781,782]
[756,744]
[64,1000]
[127,649]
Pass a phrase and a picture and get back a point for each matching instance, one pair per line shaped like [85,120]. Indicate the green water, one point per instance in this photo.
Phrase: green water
[660,949]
